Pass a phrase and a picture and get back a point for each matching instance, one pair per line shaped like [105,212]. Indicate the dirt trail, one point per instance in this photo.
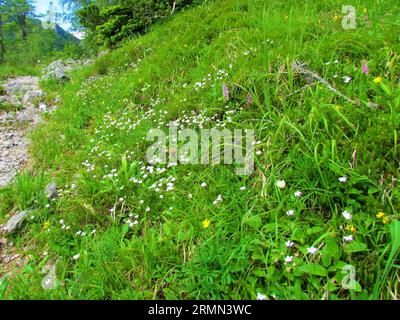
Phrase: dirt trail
[21,107]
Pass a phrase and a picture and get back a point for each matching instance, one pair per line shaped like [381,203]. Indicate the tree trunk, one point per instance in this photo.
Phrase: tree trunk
[173,7]
[2,48]
[22,24]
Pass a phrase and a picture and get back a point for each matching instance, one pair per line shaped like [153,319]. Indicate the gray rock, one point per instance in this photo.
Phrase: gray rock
[57,70]
[15,222]
[51,191]
[26,116]
[31,96]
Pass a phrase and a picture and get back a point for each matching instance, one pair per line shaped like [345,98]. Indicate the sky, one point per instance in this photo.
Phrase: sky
[42,6]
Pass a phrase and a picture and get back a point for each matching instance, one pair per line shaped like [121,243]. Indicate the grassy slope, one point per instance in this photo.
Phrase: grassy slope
[308,138]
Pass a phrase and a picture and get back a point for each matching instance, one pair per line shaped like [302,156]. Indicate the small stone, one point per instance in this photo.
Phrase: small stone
[51,191]
[3,242]
[15,222]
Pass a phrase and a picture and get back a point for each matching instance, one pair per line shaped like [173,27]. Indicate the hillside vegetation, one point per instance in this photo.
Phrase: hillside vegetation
[124,229]
[26,57]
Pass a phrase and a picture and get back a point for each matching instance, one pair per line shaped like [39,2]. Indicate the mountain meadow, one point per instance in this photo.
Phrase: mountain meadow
[89,215]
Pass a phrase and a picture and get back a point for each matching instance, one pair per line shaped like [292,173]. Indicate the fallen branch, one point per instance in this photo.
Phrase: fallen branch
[301,68]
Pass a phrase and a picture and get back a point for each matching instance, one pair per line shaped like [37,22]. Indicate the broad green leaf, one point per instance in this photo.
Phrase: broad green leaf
[313,268]
[355,246]
[254,222]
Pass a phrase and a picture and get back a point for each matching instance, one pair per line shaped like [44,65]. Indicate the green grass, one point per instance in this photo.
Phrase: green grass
[9,70]
[308,136]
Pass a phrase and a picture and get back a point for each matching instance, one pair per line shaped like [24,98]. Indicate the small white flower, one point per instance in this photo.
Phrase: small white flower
[219,199]
[298,194]
[289,244]
[288,259]
[203,185]
[147,209]
[346,215]
[346,79]
[348,238]
[76,257]
[290,213]
[243,188]
[281,184]
[261,296]
[312,250]
[343,179]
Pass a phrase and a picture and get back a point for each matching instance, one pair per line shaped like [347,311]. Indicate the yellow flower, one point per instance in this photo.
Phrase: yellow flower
[385,220]
[206,223]
[335,18]
[46,224]
[378,80]
[365,10]
[351,228]
[380,215]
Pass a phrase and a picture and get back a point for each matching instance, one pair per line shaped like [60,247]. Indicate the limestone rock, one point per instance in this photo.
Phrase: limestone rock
[15,222]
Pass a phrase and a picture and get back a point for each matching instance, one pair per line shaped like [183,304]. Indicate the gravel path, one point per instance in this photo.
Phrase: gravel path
[20,110]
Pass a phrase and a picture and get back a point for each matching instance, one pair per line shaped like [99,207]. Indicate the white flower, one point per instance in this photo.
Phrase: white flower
[289,244]
[203,185]
[290,213]
[219,199]
[346,215]
[243,188]
[312,250]
[76,257]
[343,179]
[281,184]
[298,194]
[348,238]
[147,209]
[288,259]
[347,79]
[261,296]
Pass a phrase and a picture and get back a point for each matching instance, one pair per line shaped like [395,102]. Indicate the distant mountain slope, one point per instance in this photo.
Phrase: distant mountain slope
[40,44]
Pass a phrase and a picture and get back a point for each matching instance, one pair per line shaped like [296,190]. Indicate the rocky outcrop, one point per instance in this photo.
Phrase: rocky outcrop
[58,70]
